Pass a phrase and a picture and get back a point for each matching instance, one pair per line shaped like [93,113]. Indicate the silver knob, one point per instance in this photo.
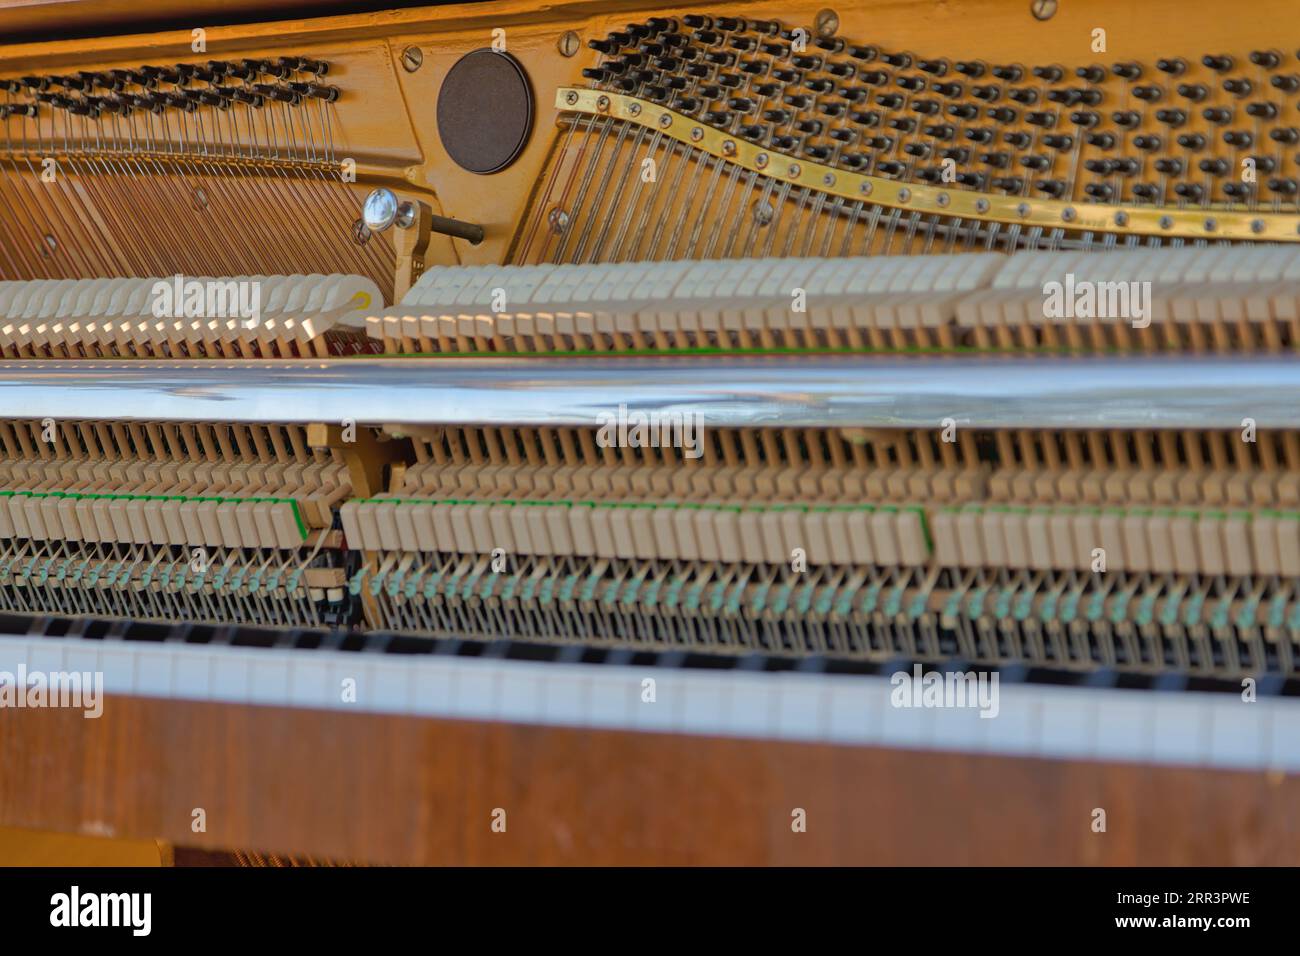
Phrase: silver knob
[382,209]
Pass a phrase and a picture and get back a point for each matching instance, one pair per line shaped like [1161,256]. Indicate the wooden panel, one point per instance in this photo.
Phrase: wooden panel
[409,790]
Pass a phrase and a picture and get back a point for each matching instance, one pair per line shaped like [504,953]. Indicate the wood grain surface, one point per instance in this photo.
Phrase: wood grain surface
[415,791]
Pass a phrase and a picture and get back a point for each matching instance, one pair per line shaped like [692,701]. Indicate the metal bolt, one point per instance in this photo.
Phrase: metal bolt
[826,23]
[412,59]
[569,43]
[1043,9]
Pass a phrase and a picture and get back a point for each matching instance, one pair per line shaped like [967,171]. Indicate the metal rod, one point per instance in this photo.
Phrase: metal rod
[773,391]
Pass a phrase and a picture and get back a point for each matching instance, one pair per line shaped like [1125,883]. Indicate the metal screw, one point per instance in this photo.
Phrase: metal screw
[1068,214]
[558,220]
[1121,218]
[981,205]
[569,43]
[360,232]
[697,134]
[571,97]
[602,104]
[763,213]
[728,148]
[412,59]
[634,109]
[826,23]
[1043,9]
[761,160]
[666,120]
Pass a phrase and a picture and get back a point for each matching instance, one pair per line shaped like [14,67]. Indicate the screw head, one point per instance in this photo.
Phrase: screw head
[569,43]
[558,220]
[697,134]
[728,148]
[360,232]
[602,104]
[761,160]
[571,97]
[412,59]
[1043,9]
[826,23]
[407,214]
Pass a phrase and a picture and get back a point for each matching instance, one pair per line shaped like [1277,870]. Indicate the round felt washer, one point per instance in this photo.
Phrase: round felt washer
[485,111]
